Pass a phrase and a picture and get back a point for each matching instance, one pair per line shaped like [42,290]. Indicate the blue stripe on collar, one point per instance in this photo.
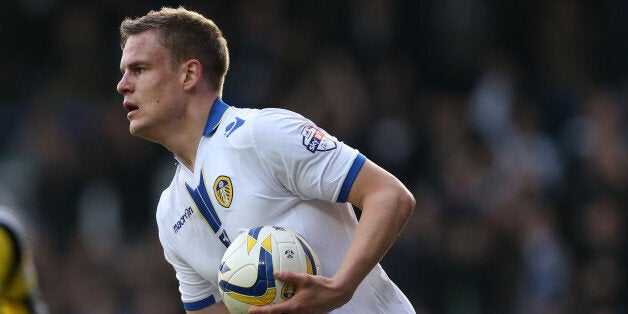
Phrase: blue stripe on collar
[215,115]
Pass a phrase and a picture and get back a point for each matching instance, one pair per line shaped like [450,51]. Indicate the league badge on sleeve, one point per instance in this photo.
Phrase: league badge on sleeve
[315,139]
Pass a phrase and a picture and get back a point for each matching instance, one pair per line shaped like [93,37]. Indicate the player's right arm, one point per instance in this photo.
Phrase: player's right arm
[216,308]
[198,296]
[189,284]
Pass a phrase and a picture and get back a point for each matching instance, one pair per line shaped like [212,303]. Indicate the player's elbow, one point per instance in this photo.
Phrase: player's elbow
[406,203]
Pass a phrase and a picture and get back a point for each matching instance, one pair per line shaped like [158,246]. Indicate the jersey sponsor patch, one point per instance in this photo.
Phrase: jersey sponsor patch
[315,139]
[223,189]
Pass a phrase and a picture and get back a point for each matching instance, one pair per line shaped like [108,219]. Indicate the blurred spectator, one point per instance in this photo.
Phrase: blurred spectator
[19,286]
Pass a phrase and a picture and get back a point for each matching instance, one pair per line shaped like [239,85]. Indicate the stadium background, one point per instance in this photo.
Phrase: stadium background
[507,119]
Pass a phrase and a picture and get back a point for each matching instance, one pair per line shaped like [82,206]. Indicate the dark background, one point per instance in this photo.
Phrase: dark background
[506,119]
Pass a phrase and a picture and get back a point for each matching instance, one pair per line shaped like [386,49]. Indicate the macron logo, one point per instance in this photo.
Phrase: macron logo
[179,224]
[233,126]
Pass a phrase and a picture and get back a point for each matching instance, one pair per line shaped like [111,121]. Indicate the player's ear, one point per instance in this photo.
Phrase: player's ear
[191,72]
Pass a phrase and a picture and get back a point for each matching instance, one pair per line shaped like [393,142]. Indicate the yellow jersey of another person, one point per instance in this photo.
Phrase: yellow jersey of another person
[19,292]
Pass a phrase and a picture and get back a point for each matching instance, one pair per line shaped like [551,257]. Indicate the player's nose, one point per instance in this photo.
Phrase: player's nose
[124,86]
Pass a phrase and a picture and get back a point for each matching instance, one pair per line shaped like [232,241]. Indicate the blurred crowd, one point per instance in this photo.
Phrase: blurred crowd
[507,119]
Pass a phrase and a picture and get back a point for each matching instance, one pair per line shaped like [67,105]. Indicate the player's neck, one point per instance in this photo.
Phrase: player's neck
[185,137]
[186,151]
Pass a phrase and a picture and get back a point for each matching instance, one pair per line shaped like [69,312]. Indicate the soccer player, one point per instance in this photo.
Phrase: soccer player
[19,292]
[240,168]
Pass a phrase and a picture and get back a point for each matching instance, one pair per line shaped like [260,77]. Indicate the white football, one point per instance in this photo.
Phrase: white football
[246,275]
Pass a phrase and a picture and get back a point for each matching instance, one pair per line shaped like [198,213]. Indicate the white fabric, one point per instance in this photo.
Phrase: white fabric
[279,176]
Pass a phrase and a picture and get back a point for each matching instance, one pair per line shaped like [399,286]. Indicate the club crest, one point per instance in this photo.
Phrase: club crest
[223,191]
[315,139]
[288,291]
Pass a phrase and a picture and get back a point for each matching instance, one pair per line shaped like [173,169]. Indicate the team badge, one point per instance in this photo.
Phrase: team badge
[288,291]
[223,191]
[315,139]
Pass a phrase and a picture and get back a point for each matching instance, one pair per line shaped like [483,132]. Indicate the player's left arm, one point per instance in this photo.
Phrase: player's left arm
[386,206]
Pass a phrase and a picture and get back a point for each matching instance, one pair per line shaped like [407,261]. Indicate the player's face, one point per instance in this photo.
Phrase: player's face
[151,87]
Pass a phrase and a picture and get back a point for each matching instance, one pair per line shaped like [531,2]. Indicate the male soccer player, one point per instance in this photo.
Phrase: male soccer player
[19,292]
[241,168]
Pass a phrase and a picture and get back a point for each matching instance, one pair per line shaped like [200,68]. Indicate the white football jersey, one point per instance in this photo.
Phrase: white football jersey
[265,167]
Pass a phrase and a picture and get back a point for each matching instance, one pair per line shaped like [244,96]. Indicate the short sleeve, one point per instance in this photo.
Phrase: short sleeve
[196,292]
[303,157]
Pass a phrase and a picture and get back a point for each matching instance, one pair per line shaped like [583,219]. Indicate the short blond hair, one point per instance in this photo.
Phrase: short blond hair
[186,35]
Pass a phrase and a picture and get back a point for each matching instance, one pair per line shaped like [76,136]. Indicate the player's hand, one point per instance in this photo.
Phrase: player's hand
[315,294]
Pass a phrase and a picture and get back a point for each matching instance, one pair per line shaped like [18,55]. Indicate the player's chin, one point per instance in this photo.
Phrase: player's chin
[133,129]
[143,131]
[136,128]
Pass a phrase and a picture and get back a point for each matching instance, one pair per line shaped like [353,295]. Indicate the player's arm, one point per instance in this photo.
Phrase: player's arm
[191,284]
[386,206]
[216,308]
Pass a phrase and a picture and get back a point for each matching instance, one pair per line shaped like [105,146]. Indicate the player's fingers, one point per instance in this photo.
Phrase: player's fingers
[269,309]
[258,310]
[291,277]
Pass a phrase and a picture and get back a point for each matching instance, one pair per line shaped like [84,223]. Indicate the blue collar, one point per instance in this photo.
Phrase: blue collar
[215,115]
